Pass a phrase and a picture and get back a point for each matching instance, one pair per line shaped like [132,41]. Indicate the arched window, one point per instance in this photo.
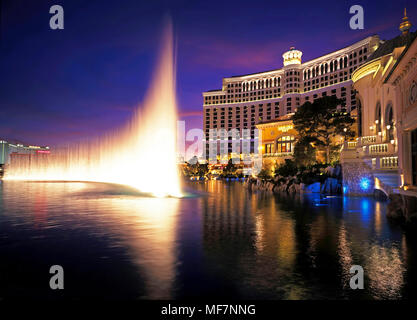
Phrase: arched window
[345,62]
[389,120]
[378,118]
[325,68]
[322,69]
[285,144]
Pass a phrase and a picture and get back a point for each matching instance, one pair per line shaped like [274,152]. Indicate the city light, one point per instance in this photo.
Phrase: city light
[365,184]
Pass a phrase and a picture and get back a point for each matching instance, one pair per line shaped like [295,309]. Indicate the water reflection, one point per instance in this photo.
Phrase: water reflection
[225,241]
[139,230]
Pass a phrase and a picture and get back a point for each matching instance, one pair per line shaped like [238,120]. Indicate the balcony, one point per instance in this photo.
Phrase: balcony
[366,140]
[376,149]
[388,163]
[352,144]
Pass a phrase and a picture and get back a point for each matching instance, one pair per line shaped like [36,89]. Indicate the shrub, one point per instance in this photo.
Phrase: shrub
[287,169]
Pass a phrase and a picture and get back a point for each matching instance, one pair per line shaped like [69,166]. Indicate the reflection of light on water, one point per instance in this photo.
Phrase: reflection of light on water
[385,271]
[145,228]
[148,227]
[378,217]
[345,255]
[365,210]
[143,155]
[260,233]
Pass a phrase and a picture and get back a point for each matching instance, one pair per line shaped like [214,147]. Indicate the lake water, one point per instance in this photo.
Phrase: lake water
[219,241]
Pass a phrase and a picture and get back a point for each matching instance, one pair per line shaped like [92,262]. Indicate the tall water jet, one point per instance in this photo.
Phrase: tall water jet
[141,155]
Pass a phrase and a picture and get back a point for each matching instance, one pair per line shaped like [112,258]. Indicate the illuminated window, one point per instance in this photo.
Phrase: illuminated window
[285,144]
[269,148]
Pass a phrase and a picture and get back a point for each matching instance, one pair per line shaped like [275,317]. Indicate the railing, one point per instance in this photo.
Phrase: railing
[370,139]
[352,144]
[389,162]
[378,148]
[278,154]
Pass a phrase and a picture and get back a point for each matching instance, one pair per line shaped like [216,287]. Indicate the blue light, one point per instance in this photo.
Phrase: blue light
[365,210]
[365,183]
[345,189]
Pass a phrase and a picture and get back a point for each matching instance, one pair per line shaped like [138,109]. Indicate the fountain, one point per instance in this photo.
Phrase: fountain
[141,155]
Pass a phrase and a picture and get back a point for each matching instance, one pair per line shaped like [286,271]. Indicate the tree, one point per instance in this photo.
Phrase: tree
[304,152]
[321,122]
[265,174]
[286,169]
[194,168]
[202,169]
[230,169]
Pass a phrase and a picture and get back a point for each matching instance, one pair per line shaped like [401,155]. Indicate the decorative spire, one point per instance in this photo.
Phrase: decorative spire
[405,26]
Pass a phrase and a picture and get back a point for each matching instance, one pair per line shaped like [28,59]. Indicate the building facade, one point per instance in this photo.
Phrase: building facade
[9,151]
[247,100]
[278,139]
[382,157]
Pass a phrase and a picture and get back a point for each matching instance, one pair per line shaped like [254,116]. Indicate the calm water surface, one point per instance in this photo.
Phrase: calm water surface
[219,241]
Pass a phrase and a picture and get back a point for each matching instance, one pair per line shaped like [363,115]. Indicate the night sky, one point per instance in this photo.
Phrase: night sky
[59,86]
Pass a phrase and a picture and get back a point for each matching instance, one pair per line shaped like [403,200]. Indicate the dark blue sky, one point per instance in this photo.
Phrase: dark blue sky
[59,86]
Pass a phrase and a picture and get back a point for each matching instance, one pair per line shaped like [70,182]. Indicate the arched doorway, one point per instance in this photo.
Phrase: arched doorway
[378,119]
[389,120]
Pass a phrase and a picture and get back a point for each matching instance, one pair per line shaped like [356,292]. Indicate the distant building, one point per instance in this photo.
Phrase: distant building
[9,151]
[245,101]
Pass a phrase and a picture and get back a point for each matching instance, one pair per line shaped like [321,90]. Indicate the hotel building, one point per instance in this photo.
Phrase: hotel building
[244,101]
[385,154]
[12,152]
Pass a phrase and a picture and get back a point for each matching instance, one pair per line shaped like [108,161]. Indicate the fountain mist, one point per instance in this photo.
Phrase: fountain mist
[142,155]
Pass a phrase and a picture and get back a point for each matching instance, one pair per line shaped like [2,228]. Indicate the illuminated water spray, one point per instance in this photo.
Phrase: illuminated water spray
[141,155]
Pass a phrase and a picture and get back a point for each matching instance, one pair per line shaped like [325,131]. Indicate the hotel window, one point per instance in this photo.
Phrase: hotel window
[285,144]
[269,148]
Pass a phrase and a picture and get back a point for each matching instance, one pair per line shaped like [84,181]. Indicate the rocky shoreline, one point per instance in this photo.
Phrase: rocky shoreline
[330,183]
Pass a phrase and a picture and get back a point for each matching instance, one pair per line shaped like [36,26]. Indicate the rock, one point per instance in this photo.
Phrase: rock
[329,170]
[337,171]
[395,207]
[315,187]
[330,186]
